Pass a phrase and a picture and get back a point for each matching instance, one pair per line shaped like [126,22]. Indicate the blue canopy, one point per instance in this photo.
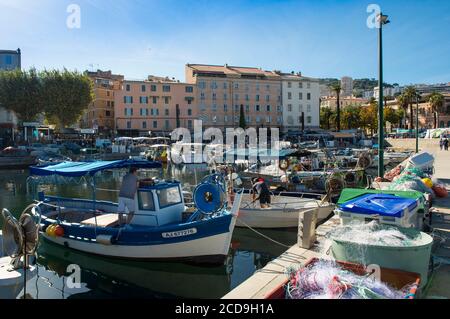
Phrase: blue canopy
[78,169]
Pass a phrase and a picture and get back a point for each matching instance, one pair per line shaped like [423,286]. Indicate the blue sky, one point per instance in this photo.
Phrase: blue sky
[319,38]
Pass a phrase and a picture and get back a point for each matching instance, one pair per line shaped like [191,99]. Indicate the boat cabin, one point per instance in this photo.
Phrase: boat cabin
[158,203]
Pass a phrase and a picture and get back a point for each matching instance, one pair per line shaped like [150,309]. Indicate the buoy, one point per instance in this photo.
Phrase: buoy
[59,231]
[427,182]
[51,230]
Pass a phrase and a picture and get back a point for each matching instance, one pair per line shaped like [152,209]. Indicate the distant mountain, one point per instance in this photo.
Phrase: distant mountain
[358,84]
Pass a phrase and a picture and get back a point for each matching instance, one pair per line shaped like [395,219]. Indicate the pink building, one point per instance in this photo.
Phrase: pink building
[155,105]
[222,90]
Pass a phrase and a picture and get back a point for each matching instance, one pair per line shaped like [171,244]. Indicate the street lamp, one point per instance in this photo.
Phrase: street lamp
[382,19]
[417,122]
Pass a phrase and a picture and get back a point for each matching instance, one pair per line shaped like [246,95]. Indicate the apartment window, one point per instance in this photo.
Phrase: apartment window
[214,107]
[225,86]
[247,87]
[189,102]
[202,96]
[257,108]
[213,85]
[268,87]
[166,112]
[247,98]
[214,96]
[289,95]
[189,112]
[236,97]
[257,98]
[112,103]
[142,112]
[155,100]
[308,85]
[155,124]
[153,88]
[108,93]
[300,96]
[107,113]
[225,118]
[258,119]
[289,108]
[289,85]
[144,125]
[167,124]
[166,100]
[236,108]
[300,85]
[300,107]
[143,99]
[108,103]
[143,88]
[202,85]
[308,119]
[236,85]
[128,99]
[268,119]
[248,119]
[279,108]
[225,96]
[268,108]
[308,96]
[128,88]
[189,123]
[189,89]
[267,98]
[247,108]
[128,124]
[166,88]
[257,87]
[308,108]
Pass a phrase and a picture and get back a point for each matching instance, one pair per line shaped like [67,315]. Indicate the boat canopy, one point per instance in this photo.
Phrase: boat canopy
[79,169]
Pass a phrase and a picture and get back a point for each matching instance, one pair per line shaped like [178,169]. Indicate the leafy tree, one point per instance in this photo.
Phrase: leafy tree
[369,116]
[436,101]
[67,95]
[391,115]
[336,88]
[21,92]
[242,122]
[351,117]
[402,102]
[326,115]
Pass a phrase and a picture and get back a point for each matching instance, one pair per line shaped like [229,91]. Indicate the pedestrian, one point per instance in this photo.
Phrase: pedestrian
[441,143]
[446,144]
[260,188]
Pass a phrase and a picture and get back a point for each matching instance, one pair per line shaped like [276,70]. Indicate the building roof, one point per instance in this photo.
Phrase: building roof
[231,70]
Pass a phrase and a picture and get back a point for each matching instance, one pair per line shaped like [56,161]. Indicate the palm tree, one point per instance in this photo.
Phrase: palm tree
[436,101]
[403,105]
[336,88]
[410,95]
[325,116]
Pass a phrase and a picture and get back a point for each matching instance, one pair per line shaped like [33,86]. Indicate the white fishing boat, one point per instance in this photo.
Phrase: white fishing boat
[283,211]
[162,227]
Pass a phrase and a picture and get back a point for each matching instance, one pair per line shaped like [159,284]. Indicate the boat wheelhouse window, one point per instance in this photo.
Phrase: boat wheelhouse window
[168,197]
[146,201]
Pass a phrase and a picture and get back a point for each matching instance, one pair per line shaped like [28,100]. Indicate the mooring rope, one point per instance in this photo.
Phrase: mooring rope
[265,236]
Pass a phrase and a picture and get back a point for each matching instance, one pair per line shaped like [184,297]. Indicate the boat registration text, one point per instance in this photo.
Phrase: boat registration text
[180,233]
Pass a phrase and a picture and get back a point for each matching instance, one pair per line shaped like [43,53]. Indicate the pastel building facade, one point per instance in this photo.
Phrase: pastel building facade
[347,86]
[300,101]
[331,102]
[100,114]
[222,91]
[157,105]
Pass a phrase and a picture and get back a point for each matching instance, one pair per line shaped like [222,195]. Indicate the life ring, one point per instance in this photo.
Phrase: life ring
[284,164]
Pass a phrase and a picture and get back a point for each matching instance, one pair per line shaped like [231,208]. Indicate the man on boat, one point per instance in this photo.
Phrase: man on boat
[128,190]
[260,188]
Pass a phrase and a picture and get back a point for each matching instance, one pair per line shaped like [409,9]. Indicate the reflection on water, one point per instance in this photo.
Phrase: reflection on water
[113,278]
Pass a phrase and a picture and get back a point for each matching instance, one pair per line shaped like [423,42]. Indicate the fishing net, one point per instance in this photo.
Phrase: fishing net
[326,279]
[411,179]
[374,233]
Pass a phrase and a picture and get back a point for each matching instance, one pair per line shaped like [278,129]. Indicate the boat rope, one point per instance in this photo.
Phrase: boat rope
[108,190]
[262,235]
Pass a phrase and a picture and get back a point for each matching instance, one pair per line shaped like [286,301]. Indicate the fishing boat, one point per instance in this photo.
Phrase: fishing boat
[14,158]
[161,229]
[283,211]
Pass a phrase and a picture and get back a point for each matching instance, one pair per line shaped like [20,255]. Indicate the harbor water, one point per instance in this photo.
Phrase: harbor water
[102,277]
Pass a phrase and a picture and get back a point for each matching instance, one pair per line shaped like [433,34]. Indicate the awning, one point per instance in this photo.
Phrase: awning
[78,169]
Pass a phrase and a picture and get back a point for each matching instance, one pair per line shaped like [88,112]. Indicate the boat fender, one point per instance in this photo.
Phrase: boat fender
[104,240]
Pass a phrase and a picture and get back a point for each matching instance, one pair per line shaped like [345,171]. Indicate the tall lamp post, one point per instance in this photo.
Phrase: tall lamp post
[382,19]
[417,122]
